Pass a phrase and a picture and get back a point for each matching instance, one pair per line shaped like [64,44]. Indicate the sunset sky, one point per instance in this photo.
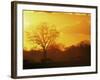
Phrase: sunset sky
[73,27]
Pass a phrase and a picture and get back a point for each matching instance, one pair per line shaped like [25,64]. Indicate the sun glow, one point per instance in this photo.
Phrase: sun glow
[73,27]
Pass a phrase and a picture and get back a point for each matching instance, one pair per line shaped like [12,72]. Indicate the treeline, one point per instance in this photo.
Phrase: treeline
[75,55]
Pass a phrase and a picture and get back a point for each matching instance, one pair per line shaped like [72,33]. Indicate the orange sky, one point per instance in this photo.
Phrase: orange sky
[73,27]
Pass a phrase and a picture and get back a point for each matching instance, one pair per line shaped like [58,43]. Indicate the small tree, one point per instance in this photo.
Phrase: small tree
[45,36]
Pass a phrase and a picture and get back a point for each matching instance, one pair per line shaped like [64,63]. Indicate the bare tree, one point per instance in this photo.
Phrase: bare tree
[45,36]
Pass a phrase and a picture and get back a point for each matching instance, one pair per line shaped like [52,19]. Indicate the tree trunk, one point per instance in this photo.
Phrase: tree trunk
[45,54]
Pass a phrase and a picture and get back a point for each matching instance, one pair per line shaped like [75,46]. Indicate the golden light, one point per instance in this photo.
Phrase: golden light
[73,27]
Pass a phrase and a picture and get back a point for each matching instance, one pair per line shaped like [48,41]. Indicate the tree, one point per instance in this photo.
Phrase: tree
[45,36]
